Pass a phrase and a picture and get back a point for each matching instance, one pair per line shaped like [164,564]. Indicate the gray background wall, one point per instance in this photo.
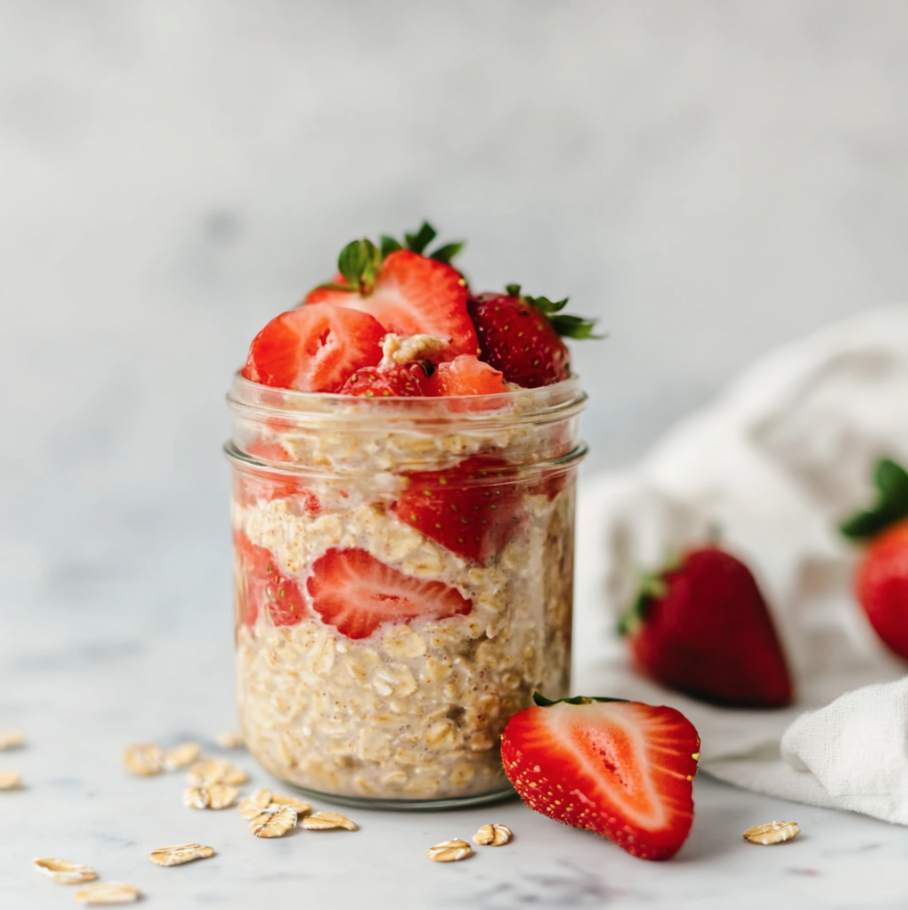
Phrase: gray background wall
[709,178]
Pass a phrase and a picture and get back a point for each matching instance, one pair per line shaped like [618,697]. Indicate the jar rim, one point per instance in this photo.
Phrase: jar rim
[534,406]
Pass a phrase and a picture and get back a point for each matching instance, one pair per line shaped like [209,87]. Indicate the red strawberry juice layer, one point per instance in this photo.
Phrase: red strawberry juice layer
[404,583]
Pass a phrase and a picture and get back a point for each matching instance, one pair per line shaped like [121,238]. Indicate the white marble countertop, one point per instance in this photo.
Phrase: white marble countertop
[80,696]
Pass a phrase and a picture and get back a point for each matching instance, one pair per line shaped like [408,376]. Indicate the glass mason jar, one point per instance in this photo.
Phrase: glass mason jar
[404,581]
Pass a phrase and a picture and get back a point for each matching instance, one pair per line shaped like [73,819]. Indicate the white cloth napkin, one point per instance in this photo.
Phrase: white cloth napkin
[775,463]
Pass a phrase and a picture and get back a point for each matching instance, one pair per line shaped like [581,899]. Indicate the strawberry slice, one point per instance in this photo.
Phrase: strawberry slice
[464,509]
[466,374]
[407,293]
[250,488]
[356,594]
[314,348]
[400,380]
[260,585]
[622,769]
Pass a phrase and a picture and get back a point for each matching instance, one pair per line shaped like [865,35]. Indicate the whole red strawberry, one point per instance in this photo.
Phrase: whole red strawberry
[521,336]
[881,582]
[620,768]
[703,628]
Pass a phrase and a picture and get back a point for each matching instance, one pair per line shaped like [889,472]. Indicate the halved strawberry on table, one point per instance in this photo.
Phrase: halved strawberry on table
[521,336]
[314,348]
[407,292]
[621,769]
[473,509]
[261,586]
[357,594]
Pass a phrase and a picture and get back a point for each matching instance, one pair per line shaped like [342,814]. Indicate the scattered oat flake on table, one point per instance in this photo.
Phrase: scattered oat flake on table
[215,771]
[273,824]
[325,821]
[229,740]
[10,780]
[450,851]
[108,893]
[144,759]
[11,739]
[65,872]
[492,835]
[216,796]
[772,833]
[302,808]
[255,804]
[179,854]
[181,756]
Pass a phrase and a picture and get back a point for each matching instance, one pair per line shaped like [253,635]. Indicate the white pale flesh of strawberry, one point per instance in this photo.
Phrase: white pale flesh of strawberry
[396,312]
[628,748]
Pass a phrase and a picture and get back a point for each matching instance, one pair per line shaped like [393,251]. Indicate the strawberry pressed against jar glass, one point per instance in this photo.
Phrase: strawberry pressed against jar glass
[404,575]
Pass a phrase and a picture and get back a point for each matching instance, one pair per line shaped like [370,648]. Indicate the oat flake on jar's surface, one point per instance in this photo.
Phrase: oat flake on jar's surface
[380,649]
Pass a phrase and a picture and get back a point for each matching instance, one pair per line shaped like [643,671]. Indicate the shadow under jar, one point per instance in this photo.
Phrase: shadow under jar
[404,581]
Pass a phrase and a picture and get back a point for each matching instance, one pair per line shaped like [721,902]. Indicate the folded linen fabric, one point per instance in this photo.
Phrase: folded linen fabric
[775,464]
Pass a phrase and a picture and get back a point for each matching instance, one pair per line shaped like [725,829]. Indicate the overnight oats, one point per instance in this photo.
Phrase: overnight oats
[403,520]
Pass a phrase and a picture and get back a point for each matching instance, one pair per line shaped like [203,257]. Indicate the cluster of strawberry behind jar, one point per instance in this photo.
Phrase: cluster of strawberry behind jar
[398,320]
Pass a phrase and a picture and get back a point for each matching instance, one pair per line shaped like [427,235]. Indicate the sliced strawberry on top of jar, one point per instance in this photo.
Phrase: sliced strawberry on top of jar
[384,381]
[408,293]
[466,374]
[473,509]
[261,585]
[314,348]
[356,593]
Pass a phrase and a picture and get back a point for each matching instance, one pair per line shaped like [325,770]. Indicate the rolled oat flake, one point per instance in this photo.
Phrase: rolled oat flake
[65,872]
[772,833]
[10,780]
[450,851]
[108,893]
[179,854]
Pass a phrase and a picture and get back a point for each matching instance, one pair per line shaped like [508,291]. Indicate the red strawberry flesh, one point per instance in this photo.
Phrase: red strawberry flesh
[473,510]
[466,374]
[314,348]
[413,295]
[262,586]
[357,594]
[621,769]
[401,381]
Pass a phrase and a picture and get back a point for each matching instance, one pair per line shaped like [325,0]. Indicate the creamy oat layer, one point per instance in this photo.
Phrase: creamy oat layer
[416,710]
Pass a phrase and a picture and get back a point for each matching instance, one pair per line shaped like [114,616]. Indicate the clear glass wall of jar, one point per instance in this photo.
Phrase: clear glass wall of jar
[403,577]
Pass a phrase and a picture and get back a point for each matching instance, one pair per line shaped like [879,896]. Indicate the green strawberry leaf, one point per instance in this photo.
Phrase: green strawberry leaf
[543,702]
[421,239]
[359,262]
[566,326]
[447,252]
[389,245]
[891,481]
